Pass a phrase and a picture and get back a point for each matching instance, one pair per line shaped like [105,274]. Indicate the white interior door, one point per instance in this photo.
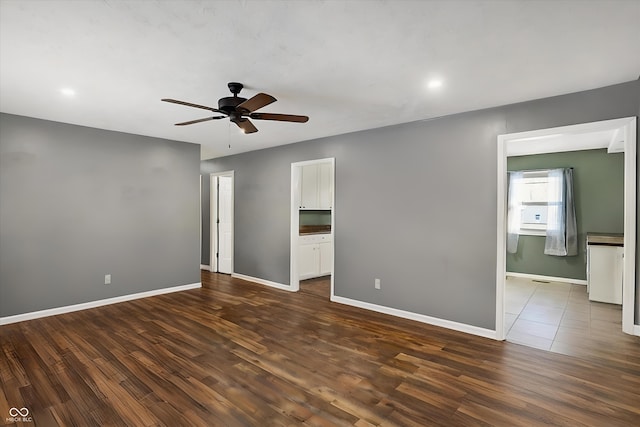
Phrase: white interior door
[225,224]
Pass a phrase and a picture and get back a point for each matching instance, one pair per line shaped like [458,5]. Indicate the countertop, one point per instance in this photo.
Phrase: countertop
[609,239]
[314,229]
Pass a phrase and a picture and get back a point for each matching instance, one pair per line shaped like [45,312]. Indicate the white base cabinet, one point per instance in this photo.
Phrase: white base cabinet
[315,256]
[605,273]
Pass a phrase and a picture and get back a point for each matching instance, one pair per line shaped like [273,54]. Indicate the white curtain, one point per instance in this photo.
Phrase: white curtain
[562,238]
[514,212]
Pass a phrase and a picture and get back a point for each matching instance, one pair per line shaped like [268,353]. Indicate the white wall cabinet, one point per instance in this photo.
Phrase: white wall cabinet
[316,185]
[315,256]
[605,273]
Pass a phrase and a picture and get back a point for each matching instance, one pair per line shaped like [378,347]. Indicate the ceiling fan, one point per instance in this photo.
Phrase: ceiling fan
[239,110]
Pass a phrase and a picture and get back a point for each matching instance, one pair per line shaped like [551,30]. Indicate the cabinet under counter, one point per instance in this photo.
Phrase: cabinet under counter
[605,267]
[315,255]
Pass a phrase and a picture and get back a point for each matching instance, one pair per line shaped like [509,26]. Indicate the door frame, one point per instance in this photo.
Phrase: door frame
[626,127]
[294,276]
[213,229]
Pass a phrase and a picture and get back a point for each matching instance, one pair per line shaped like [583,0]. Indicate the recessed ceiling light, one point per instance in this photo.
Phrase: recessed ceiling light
[67,91]
[434,83]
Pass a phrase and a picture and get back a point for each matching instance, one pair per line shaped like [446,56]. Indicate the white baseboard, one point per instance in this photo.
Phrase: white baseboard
[636,330]
[92,304]
[205,267]
[262,282]
[461,327]
[548,278]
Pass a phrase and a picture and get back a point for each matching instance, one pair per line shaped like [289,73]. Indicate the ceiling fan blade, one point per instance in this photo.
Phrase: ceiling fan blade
[200,120]
[256,102]
[246,126]
[280,117]
[189,104]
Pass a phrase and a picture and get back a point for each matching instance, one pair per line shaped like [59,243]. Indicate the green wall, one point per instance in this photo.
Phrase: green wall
[599,195]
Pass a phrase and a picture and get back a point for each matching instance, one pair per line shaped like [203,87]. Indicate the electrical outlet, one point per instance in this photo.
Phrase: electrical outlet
[107,279]
[377,284]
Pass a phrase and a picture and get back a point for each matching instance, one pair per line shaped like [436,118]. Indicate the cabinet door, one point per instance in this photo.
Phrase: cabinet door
[308,261]
[309,187]
[326,257]
[605,275]
[325,185]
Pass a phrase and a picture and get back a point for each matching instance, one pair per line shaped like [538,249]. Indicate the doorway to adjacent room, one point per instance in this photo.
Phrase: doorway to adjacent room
[312,226]
[622,134]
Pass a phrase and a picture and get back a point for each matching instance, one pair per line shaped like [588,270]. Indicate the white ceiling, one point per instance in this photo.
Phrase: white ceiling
[348,65]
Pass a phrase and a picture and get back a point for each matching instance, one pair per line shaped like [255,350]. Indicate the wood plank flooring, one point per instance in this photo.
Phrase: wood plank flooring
[240,354]
[320,286]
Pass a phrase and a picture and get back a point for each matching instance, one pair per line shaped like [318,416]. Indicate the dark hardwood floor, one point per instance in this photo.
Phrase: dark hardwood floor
[240,354]
[320,286]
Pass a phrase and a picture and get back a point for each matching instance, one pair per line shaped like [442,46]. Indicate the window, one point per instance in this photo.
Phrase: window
[532,196]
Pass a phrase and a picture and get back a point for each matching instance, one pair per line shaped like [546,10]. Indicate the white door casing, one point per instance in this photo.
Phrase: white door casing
[225,224]
[221,222]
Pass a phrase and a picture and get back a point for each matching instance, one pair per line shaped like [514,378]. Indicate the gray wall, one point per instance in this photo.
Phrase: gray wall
[598,188]
[415,203]
[77,203]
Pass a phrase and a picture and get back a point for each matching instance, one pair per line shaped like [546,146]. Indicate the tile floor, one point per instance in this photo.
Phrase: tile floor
[555,316]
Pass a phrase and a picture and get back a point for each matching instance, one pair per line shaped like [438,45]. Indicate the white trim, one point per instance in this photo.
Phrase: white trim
[205,267]
[294,276]
[263,282]
[294,232]
[629,301]
[550,140]
[547,278]
[636,330]
[628,127]
[200,216]
[532,232]
[501,255]
[461,327]
[213,207]
[93,304]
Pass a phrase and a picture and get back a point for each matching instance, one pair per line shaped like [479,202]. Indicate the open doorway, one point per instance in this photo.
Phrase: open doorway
[221,222]
[312,227]
[618,135]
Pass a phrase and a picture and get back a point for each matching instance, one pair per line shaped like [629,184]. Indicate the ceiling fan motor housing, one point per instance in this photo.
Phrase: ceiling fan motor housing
[229,103]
